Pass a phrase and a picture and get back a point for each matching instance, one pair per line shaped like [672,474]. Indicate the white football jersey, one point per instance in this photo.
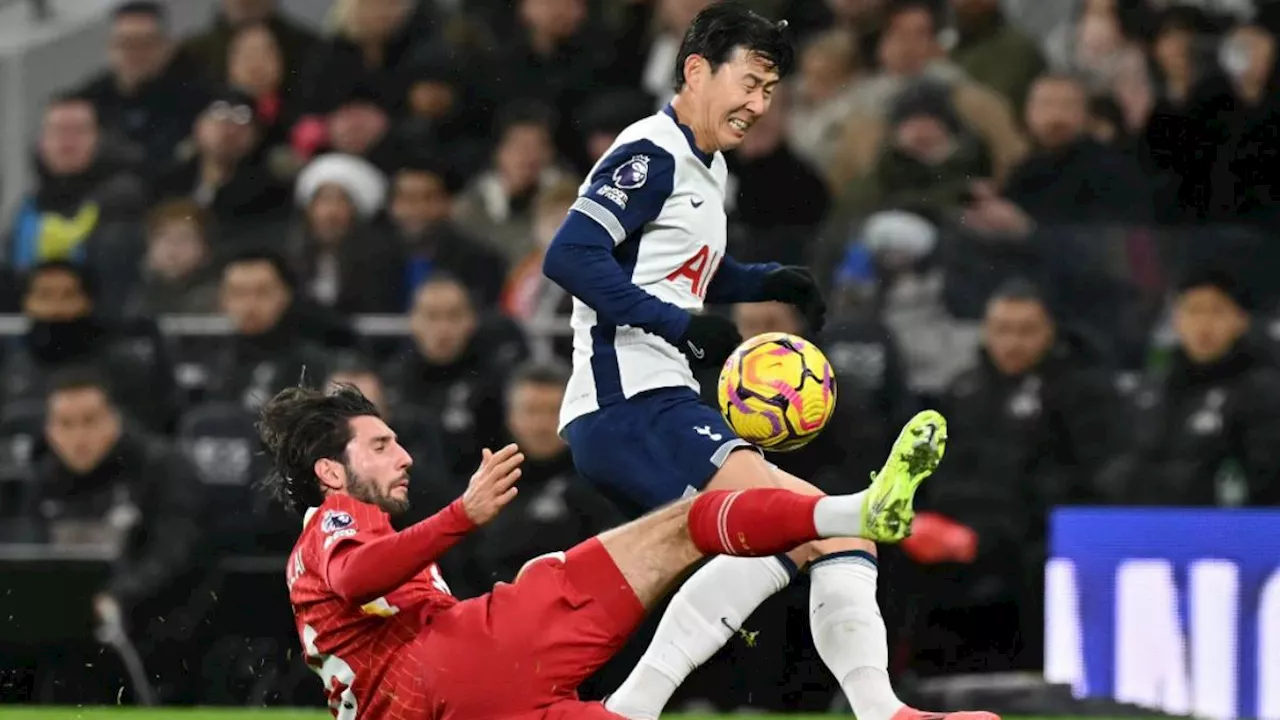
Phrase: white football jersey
[662,200]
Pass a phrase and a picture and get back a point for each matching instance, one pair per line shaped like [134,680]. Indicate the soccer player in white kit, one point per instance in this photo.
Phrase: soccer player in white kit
[641,250]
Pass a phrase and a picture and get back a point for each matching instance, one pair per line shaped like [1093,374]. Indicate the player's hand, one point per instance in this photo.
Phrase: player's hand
[493,484]
[709,340]
[795,286]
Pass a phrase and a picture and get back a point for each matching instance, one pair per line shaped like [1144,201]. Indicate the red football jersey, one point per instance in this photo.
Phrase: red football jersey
[352,646]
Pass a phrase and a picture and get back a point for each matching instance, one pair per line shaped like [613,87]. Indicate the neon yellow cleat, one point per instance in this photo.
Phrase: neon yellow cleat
[887,509]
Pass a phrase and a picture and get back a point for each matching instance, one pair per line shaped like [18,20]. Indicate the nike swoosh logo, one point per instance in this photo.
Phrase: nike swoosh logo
[697,351]
[697,203]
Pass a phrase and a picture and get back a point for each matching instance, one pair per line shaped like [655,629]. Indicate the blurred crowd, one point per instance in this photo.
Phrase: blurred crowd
[1053,223]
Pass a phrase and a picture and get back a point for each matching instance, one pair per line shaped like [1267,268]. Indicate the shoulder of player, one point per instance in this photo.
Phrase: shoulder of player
[345,514]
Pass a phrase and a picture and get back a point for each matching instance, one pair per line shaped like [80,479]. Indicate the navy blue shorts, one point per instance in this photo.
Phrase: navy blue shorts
[652,449]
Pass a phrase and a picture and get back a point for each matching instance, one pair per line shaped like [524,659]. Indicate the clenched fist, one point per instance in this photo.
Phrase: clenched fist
[493,484]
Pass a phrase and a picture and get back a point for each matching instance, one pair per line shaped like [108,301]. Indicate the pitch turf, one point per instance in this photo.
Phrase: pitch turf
[129,713]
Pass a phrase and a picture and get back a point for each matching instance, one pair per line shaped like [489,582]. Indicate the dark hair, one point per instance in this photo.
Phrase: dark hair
[446,278]
[452,180]
[536,372]
[1018,289]
[902,7]
[79,377]
[149,8]
[723,27]
[272,258]
[71,97]
[81,274]
[351,363]
[301,425]
[523,113]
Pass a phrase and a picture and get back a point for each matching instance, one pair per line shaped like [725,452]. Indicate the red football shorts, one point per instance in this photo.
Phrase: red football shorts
[522,650]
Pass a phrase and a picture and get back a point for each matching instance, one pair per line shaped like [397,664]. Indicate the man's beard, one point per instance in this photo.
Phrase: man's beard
[365,491]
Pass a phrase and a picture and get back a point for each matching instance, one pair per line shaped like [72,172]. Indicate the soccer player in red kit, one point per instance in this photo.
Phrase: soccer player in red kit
[380,627]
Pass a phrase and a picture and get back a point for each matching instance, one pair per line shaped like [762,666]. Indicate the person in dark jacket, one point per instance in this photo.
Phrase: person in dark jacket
[207,50]
[1069,177]
[106,485]
[1206,429]
[556,508]
[65,330]
[421,207]
[269,349]
[1029,426]
[455,368]
[146,94]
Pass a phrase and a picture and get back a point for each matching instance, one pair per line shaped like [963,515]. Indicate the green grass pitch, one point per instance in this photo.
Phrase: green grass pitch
[245,714]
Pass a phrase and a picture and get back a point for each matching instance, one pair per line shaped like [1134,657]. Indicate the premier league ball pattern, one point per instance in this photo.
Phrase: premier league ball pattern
[777,391]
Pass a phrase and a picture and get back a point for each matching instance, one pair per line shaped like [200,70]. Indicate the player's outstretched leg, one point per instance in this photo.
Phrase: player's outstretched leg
[712,604]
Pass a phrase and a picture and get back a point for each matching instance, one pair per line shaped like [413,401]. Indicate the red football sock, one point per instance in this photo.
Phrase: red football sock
[759,521]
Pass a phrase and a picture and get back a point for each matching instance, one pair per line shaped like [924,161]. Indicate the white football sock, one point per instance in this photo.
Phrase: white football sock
[849,633]
[707,610]
[839,515]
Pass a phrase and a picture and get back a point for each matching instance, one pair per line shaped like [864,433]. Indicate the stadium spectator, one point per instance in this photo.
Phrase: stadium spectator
[256,67]
[1104,45]
[371,49]
[1069,177]
[555,506]
[60,303]
[226,175]
[912,299]
[671,19]
[445,116]
[928,164]
[107,485]
[455,368]
[420,217]
[84,202]
[270,348]
[497,204]
[146,95]
[210,49]
[553,59]
[994,52]
[528,294]
[178,274]
[779,198]
[909,51]
[866,19]
[342,262]
[825,96]
[1032,423]
[603,116]
[1206,428]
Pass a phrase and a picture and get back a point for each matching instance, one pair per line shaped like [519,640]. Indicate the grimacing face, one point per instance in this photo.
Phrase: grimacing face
[736,95]
[376,470]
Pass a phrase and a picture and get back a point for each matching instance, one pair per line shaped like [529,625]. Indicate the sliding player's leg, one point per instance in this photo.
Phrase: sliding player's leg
[848,630]
[573,611]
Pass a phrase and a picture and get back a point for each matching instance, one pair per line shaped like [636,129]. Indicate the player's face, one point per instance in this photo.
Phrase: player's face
[81,427]
[1208,323]
[377,467]
[533,417]
[739,93]
[1018,334]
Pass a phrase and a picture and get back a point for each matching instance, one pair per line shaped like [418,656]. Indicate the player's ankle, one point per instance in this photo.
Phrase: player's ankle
[840,515]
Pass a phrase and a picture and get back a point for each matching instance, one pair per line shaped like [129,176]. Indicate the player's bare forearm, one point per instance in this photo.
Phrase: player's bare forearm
[580,260]
[362,572]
